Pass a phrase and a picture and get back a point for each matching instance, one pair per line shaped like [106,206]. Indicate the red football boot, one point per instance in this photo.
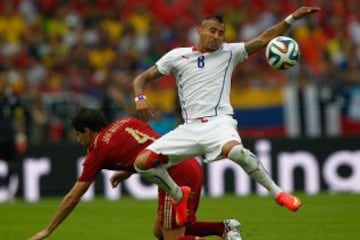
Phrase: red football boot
[291,202]
[181,209]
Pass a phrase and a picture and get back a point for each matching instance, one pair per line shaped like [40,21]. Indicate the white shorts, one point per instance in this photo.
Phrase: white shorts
[205,137]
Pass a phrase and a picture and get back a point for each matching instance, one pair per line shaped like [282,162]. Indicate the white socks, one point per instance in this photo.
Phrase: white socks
[240,155]
[161,177]
[252,165]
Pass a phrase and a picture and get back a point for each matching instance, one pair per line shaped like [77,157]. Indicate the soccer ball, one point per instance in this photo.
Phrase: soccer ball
[282,53]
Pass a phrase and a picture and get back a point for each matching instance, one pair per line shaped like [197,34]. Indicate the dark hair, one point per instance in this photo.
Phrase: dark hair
[218,18]
[88,118]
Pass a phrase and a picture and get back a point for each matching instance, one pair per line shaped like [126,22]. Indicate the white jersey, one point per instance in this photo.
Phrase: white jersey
[203,79]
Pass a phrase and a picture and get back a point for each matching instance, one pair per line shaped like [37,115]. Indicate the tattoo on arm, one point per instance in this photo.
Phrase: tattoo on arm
[253,45]
[152,73]
[261,40]
[275,30]
[147,76]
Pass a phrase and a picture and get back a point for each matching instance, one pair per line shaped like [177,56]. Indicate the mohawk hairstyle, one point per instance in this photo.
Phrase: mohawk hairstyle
[218,18]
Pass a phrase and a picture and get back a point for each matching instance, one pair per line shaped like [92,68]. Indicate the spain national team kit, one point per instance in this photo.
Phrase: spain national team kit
[116,147]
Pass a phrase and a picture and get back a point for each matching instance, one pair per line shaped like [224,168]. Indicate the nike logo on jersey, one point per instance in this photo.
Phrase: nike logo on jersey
[185,57]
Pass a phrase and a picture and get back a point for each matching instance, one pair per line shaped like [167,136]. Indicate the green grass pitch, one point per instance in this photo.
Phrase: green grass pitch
[323,217]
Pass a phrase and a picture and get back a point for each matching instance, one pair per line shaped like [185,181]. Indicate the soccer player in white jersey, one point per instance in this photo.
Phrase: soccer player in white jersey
[203,76]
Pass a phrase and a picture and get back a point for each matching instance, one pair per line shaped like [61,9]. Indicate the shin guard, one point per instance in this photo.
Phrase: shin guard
[155,172]
[252,165]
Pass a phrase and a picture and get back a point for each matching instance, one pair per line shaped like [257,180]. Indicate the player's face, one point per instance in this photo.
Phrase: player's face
[212,35]
[84,138]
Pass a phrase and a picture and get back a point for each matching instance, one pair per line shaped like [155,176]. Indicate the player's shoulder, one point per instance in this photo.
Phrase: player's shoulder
[233,45]
[127,120]
[133,122]
[180,51]
[120,123]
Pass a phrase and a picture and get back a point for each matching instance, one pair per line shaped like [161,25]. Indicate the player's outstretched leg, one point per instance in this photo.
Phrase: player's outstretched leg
[149,165]
[180,195]
[252,165]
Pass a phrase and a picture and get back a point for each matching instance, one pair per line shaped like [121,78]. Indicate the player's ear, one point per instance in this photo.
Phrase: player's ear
[198,29]
[88,130]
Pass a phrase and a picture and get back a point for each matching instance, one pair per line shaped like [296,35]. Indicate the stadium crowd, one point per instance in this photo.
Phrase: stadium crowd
[59,54]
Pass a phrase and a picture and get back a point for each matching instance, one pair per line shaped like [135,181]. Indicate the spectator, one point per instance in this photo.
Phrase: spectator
[13,135]
[86,41]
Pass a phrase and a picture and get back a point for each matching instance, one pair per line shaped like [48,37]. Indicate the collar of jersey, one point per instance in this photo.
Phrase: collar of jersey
[194,49]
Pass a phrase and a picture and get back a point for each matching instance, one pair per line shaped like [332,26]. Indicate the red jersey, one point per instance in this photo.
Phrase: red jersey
[116,147]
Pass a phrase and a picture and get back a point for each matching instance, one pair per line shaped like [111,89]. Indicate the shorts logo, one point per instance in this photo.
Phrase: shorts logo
[204,120]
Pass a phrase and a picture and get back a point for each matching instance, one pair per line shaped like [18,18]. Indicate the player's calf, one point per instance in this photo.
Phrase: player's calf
[252,165]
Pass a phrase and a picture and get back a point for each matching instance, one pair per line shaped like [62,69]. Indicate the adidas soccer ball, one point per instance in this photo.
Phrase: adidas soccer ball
[282,53]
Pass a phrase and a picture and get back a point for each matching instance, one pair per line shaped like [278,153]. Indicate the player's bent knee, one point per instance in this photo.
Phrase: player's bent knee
[141,159]
[147,159]
[226,149]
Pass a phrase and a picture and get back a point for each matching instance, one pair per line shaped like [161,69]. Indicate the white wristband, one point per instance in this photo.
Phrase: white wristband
[290,19]
[20,137]
[139,97]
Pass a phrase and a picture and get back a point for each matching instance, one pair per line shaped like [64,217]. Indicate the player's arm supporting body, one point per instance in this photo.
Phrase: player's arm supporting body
[140,81]
[118,177]
[280,28]
[67,204]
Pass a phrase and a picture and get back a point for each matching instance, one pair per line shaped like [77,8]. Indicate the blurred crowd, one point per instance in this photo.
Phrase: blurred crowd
[61,54]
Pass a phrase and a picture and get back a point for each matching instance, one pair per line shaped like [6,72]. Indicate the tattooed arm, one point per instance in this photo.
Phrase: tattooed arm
[139,83]
[280,28]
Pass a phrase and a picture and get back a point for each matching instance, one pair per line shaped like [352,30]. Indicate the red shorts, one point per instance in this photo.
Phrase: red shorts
[187,173]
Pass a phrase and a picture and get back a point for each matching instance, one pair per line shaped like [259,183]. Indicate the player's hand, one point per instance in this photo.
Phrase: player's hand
[118,177]
[304,11]
[21,143]
[40,235]
[142,107]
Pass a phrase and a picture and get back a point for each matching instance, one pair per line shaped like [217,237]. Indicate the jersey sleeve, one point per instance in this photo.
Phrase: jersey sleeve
[91,167]
[165,63]
[239,51]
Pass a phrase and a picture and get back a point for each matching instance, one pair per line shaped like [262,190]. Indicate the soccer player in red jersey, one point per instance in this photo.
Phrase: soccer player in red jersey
[115,146]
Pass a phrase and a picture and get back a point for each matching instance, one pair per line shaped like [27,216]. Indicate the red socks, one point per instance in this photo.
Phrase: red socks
[202,229]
